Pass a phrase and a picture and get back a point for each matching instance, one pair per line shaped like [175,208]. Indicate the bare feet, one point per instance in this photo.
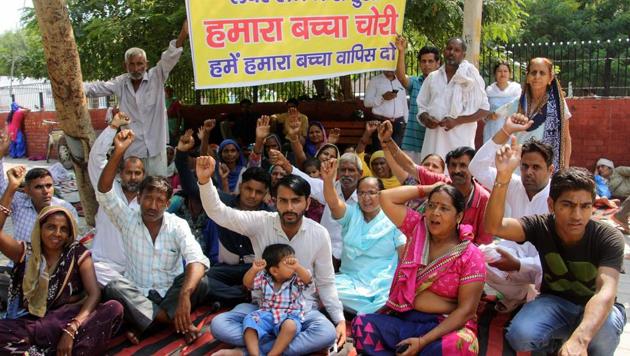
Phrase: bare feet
[229,352]
[623,225]
[132,337]
[192,334]
[607,203]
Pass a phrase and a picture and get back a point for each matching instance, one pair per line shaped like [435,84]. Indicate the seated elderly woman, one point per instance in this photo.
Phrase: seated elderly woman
[437,285]
[370,243]
[378,166]
[54,298]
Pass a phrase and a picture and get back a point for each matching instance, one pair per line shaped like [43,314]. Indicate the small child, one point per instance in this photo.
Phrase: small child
[281,281]
[316,209]
[312,167]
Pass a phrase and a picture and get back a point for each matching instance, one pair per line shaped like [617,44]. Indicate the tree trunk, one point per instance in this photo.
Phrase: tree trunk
[64,71]
[473,10]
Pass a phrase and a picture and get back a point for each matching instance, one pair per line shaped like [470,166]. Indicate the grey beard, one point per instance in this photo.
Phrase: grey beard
[131,187]
[136,77]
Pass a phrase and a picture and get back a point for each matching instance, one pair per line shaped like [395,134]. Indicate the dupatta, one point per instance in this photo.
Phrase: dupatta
[415,273]
[37,282]
[553,118]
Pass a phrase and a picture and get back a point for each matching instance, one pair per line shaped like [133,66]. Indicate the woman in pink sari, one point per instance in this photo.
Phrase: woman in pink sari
[438,283]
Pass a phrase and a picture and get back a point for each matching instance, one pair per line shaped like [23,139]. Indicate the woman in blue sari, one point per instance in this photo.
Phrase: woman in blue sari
[371,243]
[232,164]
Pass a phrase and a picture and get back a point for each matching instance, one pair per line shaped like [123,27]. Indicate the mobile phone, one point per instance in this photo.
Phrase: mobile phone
[402,348]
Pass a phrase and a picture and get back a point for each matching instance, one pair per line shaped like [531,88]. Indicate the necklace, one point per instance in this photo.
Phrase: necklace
[533,110]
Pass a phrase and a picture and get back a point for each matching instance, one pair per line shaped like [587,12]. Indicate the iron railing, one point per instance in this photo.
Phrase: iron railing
[585,68]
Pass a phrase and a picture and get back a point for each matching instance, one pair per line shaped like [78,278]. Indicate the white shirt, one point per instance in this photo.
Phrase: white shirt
[152,265]
[146,107]
[311,245]
[392,109]
[332,225]
[517,205]
[464,95]
[108,245]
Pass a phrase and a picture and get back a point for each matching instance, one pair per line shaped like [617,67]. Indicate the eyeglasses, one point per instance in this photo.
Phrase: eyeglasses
[370,193]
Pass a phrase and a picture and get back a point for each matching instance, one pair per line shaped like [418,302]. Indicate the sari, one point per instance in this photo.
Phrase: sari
[378,334]
[42,302]
[235,175]
[550,122]
[497,98]
[310,148]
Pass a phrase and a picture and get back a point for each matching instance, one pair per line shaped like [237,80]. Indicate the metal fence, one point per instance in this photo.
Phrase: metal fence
[37,96]
[585,68]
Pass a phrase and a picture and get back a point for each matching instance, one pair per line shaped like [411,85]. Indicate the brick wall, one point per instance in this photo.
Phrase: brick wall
[37,133]
[600,127]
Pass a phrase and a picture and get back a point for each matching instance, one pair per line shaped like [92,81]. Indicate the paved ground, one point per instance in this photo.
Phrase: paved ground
[623,295]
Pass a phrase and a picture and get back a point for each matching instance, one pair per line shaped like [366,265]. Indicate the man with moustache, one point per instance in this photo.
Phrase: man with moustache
[349,172]
[108,250]
[518,266]
[156,288]
[38,193]
[312,248]
[140,94]
[576,311]
[451,101]
[457,162]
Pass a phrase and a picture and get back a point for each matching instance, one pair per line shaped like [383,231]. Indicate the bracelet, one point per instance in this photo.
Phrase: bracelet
[75,320]
[5,210]
[69,333]
[498,184]
[505,132]
[388,141]
[421,193]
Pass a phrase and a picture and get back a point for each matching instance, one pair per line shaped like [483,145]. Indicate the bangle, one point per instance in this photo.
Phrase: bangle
[74,324]
[498,184]
[388,141]
[5,210]
[69,333]
[75,320]
[421,193]
[505,132]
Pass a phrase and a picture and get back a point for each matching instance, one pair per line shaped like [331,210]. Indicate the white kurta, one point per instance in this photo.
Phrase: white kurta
[465,94]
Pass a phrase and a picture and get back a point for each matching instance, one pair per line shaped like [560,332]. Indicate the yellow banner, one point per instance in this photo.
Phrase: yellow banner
[237,43]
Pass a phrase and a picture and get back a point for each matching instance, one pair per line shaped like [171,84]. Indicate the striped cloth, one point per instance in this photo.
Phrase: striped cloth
[414,133]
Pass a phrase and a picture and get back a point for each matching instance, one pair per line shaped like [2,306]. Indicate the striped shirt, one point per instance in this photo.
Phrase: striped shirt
[24,213]
[152,265]
[414,133]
